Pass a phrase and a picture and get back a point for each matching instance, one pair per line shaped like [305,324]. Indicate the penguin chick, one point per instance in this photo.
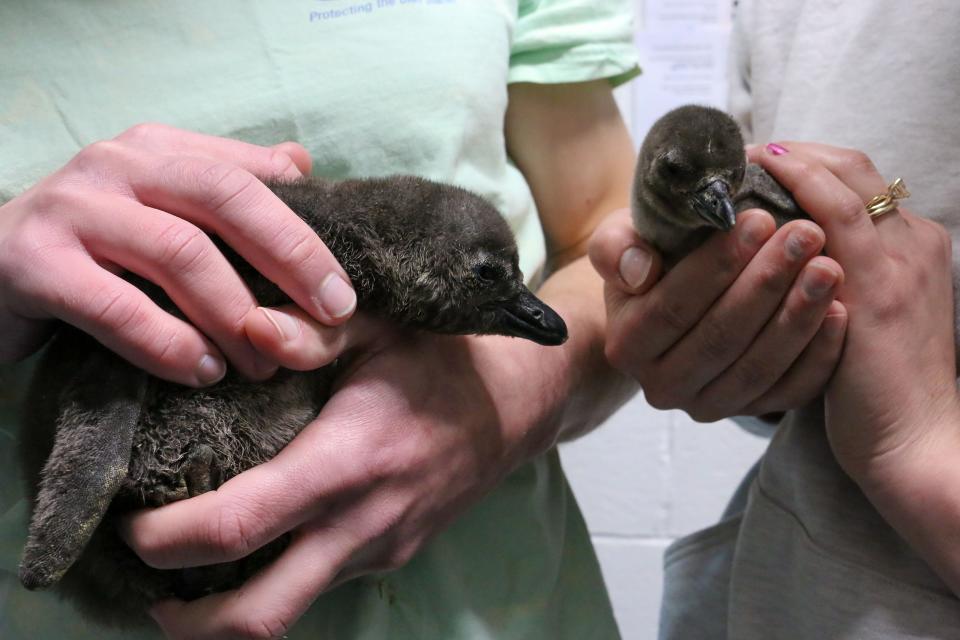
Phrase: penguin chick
[692,178]
[101,438]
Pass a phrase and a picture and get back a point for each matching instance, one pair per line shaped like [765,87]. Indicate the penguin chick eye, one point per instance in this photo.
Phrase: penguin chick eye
[670,168]
[488,272]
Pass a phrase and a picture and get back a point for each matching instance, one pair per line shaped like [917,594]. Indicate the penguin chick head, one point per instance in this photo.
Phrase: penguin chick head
[451,264]
[691,164]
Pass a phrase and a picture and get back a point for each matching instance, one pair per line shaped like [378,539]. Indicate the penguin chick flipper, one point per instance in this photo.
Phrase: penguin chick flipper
[96,420]
[761,191]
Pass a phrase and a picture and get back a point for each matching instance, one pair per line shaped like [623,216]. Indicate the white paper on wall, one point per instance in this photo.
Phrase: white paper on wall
[683,51]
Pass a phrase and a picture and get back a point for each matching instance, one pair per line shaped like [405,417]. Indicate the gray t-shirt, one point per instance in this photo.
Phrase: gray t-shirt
[801,554]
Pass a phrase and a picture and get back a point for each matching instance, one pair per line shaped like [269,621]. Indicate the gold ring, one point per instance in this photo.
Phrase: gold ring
[887,202]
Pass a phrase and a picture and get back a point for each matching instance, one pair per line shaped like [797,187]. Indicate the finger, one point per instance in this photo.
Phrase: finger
[808,376]
[284,160]
[250,218]
[854,168]
[255,507]
[300,156]
[621,257]
[732,324]
[289,336]
[852,237]
[185,263]
[123,319]
[778,345]
[270,602]
[678,301]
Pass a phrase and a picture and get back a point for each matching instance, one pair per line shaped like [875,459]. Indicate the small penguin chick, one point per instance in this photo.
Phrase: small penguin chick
[692,178]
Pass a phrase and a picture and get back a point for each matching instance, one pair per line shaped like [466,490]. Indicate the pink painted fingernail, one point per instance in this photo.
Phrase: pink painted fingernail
[634,266]
[210,369]
[776,150]
[287,327]
[337,296]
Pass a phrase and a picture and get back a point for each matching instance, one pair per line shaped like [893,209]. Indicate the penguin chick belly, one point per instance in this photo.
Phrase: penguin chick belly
[236,424]
[189,441]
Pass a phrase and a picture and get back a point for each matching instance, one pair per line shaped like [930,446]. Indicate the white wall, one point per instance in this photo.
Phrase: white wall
[648,477]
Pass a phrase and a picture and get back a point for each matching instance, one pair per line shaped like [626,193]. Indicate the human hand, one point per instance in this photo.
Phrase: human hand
[893,400]
[418,430]
[746,324]
[142,202]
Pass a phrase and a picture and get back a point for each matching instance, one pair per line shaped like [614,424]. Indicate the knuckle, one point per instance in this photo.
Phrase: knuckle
[668,313]
[771,280]
[751,375]
[144,132]
[714,343]
[94,157]
[57,197]
[805,172]
[660,397]
[280,163]
[114,308]
[889,307]
[726,264]
[849,210]
[222,184]
[298,248]
[231,533]
[856,161]
[182,246]
[259,627]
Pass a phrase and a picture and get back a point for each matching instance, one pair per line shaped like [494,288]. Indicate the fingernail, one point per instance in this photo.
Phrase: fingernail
[211,369]
[634,266]
[799,245]
[818,282]
[776,150]
[337,297]
[287,327]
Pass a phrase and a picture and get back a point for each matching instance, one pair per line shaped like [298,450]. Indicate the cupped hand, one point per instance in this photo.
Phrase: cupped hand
[418,430]
[144,202]
[893,399]
[746,324]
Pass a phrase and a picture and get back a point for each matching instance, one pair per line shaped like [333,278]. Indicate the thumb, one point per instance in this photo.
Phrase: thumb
[621,257]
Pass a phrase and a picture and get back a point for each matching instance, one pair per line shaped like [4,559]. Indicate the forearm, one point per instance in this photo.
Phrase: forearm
[592,389]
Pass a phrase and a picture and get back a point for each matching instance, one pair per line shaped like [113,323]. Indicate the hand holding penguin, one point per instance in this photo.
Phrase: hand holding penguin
[421,254]
[743,322]
[140,202]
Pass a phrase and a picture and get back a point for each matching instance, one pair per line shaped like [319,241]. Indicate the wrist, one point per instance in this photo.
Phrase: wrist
[558,393]
[917,491]
[906,447]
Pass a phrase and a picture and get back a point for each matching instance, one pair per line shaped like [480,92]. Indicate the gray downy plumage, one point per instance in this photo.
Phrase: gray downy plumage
[692,178]
[101,438]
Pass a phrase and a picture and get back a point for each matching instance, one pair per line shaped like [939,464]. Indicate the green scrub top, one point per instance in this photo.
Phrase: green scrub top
[369,88]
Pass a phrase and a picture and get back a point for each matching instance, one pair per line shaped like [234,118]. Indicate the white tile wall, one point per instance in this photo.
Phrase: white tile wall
[648,477]
[644,479]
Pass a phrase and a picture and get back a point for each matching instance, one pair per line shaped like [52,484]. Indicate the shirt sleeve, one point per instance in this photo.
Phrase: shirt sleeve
[558,41]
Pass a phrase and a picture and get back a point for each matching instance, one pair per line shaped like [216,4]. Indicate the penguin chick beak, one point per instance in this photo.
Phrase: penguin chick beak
[714,204]
[526,316]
